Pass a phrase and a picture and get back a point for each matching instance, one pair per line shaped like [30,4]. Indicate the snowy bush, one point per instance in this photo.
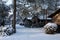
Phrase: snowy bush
[50,28]
[7,31]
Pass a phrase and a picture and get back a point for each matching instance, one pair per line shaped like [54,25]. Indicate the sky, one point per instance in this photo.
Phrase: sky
[8,2]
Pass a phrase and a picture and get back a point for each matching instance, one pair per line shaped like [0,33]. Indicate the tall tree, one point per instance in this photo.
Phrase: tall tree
[14,17]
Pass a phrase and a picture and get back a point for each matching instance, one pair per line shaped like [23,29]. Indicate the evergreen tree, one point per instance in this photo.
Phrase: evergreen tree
[4,12]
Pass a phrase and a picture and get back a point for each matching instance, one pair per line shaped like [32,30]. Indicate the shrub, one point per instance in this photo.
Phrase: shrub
[50,28]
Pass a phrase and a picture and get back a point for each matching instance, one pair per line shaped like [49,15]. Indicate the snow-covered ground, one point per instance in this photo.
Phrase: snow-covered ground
[30,34]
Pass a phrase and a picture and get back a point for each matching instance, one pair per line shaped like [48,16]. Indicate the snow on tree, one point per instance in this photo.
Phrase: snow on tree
[4,11]
[7,30]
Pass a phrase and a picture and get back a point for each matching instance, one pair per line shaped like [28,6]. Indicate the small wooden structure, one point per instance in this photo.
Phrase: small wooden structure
[56,18]
[27,22]
[35,21]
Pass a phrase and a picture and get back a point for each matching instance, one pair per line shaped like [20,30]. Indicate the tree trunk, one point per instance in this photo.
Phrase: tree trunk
[46,15]
[14,17]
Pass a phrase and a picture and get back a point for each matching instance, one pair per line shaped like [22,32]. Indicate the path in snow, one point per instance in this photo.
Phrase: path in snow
[30,34]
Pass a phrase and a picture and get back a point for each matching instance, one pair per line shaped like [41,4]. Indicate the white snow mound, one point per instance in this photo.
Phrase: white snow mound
[51,26]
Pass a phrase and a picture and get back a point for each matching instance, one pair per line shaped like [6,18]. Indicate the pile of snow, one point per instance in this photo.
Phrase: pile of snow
[50,27]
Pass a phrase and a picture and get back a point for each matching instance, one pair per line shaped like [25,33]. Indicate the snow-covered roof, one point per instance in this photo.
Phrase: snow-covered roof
[41,17]
[44,17]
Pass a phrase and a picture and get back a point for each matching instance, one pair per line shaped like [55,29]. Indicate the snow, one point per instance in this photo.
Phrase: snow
[30,34]
[58,6]
[44,17]
[40,17]
[44,6]
[50,28]
[6,30]
[27,5]
[51,24]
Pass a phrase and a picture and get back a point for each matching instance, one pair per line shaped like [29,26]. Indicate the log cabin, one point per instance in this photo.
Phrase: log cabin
[56,18]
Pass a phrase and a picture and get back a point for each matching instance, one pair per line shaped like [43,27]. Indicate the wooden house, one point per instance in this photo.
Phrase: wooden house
[39,21]
[56,19]
[35,21]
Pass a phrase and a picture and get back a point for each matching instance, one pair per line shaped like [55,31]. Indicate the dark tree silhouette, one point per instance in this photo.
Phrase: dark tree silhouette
[4,9]
[14,17]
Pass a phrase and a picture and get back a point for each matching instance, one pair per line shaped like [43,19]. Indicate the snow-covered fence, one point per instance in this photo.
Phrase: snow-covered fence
[50,28]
